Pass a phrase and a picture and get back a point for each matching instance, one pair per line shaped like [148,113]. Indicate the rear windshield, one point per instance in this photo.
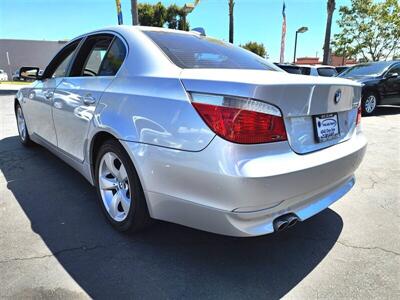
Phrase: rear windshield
[327,72]
[190,51]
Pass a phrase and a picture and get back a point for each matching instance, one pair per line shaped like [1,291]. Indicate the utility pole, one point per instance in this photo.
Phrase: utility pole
[330,9]
[134,10]
[231,6]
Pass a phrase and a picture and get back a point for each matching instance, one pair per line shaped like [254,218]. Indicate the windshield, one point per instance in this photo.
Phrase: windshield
[371,69]
[190,51]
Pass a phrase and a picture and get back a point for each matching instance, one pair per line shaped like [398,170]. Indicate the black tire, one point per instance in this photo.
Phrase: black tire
[367,107]
[24,138]
[138,216]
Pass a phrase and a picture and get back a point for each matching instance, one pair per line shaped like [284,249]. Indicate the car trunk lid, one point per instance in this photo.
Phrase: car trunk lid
[300,99]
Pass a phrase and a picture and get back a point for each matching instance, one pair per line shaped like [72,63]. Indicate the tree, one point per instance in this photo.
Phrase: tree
[257,48]
[231,6]
[134,11]
[152,15]
[327,44]
[369,29]
[158,15]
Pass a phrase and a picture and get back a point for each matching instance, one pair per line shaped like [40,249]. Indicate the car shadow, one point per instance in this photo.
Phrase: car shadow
[386,110]
[164,261]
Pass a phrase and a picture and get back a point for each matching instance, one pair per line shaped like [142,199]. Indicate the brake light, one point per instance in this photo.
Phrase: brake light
[358,121]
[240,120]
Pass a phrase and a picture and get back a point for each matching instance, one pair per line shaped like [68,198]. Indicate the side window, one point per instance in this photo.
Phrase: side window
[58,67]
[395,69]
[62,69]
[114,59]
[305,71]
[91,55]
[96,56]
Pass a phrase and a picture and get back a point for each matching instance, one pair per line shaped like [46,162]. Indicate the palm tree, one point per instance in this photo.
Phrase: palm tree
[134,10]
[231,5]
[330,8]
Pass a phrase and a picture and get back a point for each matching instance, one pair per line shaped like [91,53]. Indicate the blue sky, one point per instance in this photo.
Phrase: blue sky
[255,20]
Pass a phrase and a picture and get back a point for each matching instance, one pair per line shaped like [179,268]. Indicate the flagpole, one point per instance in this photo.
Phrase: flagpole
[283,38]
[119,12]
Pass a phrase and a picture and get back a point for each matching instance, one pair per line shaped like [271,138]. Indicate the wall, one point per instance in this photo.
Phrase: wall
[28,53]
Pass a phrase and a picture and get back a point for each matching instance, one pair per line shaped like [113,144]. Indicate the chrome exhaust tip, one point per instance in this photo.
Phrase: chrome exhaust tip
[285,221]
[292,220]
[280,224]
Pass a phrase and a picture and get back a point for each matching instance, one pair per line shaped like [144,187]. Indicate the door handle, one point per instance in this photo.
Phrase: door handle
[89,99]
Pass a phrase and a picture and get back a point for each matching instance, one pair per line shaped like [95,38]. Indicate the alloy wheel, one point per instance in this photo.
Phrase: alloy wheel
[370,104]
[21,124]
[114,186]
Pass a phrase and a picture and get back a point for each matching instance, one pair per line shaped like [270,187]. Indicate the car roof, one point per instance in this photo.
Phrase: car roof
[138,28]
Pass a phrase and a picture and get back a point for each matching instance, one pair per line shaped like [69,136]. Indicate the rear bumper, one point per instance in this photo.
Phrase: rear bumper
[239,190]
[242,224]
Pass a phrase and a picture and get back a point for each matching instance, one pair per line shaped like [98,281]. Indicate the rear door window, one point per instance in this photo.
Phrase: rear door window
[100,55]
[113,59]
[91,55]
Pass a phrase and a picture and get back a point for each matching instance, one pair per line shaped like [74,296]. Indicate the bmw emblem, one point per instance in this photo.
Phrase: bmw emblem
[338,96]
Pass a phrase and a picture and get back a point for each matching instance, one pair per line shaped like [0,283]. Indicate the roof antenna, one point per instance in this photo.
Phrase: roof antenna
[200,30]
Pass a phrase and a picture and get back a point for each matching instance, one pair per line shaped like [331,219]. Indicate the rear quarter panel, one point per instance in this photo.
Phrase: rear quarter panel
[151,110]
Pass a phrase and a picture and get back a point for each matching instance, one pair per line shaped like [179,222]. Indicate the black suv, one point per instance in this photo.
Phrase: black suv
[381,83]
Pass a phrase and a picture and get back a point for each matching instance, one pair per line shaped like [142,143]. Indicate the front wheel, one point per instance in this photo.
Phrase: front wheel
[119,189]
[369,103]
[22,129]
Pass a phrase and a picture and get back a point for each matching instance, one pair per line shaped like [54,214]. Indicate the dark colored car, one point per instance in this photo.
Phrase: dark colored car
[381,83]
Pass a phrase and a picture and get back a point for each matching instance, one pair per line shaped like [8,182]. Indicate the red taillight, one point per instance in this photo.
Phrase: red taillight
[240,125]
[358,121]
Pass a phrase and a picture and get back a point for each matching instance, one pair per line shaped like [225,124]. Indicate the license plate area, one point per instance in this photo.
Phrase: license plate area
[326,127]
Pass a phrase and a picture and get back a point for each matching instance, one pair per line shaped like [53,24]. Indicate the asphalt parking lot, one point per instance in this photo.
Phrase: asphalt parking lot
[55,243]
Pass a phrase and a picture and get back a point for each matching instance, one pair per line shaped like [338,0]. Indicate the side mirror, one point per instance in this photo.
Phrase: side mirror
[392,75]
[29,73]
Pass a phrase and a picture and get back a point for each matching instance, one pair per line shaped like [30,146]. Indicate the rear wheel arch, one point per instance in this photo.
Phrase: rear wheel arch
[367,93]
[371,90]
[16,104]
[97,140]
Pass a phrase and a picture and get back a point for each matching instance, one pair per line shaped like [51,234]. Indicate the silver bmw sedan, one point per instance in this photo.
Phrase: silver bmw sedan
[185,128]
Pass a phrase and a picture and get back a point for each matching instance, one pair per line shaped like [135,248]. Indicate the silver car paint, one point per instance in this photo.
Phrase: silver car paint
[74,104]
[190,176]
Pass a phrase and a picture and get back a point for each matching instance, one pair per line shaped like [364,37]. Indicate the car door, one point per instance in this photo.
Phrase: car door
[38,104]
[391,85]
[75,98]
